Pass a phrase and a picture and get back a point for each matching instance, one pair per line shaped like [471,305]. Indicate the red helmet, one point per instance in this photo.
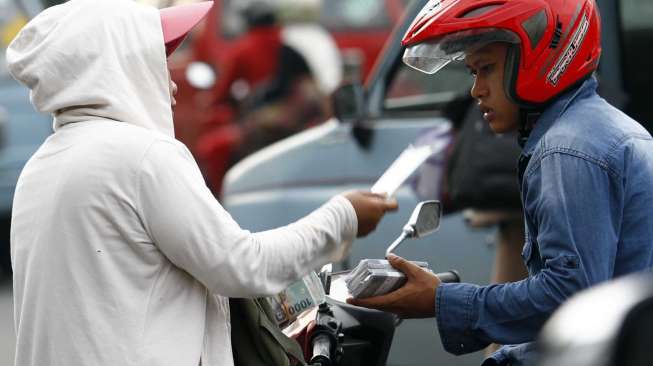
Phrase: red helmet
[557,43]
[177,22]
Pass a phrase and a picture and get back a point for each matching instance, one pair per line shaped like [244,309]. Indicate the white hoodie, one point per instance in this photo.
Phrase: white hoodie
[121,254]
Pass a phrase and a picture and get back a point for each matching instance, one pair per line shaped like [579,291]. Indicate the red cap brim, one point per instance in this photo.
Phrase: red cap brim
[177,21]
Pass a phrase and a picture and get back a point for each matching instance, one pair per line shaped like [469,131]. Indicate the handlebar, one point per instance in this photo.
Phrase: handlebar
[449,276]
[321,350]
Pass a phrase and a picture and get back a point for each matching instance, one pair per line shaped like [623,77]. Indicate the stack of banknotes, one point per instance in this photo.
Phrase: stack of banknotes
[374,277]
[298,298]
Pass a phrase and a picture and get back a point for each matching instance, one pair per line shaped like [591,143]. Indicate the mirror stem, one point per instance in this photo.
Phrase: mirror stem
[396,243]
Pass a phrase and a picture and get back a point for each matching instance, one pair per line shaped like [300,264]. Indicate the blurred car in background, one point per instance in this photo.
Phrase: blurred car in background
[287,180]
[359,29]
[22,129]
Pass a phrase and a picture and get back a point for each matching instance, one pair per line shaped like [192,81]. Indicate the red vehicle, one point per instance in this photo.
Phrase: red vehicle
[359,29]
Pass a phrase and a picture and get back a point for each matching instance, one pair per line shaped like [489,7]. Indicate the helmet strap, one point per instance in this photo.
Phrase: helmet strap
[528,115]
[527,119]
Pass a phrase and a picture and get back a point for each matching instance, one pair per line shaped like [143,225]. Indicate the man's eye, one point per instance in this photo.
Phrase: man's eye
[486,68]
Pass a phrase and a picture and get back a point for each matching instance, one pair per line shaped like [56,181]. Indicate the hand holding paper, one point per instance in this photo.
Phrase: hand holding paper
[370,208]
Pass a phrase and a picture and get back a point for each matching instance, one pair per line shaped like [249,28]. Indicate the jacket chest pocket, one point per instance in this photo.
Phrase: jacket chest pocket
[531,256]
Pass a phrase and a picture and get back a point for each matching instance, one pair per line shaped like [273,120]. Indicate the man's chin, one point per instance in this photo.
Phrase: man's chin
[498,126]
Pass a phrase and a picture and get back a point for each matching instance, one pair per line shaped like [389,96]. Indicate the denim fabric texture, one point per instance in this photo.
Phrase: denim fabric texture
[587,191]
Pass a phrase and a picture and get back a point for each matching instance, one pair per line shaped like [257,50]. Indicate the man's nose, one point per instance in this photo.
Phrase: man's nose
[174,88]
[479,89]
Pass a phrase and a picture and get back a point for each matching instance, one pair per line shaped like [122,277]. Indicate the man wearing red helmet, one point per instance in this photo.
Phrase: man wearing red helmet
[121,254]
[586,169]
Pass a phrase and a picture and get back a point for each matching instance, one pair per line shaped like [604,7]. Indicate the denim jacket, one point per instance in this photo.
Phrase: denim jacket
[586,176]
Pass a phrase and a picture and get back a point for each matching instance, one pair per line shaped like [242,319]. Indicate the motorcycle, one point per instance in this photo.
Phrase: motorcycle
[335,333]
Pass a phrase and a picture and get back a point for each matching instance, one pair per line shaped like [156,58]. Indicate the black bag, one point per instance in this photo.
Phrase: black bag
[482,168]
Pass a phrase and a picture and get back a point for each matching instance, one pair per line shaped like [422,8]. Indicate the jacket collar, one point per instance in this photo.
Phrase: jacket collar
[555,110]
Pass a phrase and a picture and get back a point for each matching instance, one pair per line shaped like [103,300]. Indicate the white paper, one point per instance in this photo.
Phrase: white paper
[404,166]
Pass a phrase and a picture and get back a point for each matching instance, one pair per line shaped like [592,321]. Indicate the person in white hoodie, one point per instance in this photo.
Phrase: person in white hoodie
[121,254]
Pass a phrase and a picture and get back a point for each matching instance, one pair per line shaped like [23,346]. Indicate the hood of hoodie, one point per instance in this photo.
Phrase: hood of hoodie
[95,60]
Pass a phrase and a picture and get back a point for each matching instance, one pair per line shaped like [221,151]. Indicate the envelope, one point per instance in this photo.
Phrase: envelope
[404,166]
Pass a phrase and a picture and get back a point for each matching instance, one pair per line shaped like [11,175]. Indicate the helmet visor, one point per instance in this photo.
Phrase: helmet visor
[431,56]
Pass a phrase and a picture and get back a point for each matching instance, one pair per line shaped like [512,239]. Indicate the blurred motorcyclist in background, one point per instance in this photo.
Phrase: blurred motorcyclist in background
[309,69]
[585,171]
[277,77]
[252,60]
[121,254]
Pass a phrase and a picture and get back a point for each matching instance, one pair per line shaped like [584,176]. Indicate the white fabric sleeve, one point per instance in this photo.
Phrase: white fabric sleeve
[195,233]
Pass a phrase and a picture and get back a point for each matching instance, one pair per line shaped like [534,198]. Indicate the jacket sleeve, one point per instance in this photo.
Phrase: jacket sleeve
[194,232]
[576,208]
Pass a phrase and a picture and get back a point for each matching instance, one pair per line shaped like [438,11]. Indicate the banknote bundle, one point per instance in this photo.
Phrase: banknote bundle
[299,297]
[374,277]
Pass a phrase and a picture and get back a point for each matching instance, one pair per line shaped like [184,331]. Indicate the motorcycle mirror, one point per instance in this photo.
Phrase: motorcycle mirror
[424,220]
[200,75]
[348,103]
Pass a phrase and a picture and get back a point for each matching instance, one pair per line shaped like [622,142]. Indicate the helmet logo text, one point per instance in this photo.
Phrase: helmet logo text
[569,53]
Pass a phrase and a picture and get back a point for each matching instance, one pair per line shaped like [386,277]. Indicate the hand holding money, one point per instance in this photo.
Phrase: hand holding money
[370,208]
[376,277]
[416,299]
